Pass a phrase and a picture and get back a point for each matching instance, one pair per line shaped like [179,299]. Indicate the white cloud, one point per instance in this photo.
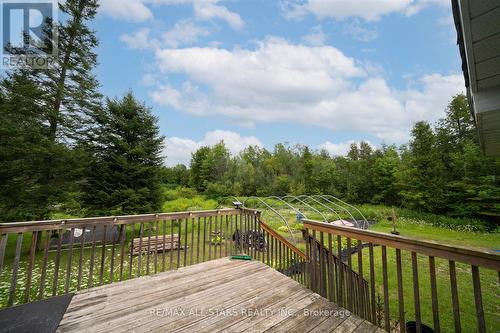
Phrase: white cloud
[317,37]
[359,32]
[179,150]
[282,82]
[166,95]
[208,10]
[339,149]
[129,10]
[417,6]
[368,10]
[183,33]
[139,39]
[336,149]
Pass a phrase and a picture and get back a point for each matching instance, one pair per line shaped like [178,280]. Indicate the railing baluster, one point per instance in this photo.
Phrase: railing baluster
[231,241]
[340,274]
[103,254]
[322,274]
[3,244]
[139,255]
[148,248]
[123,235]
[172,244]
[225,235]
[92,259]
[70,257]
[185,241]
[401,304]
[58,260]
[192,242]
[198,227]
[386,289]
[478,299]
[242,250]
[276,250]
[255,237]
[204,236]
[130,264]
[434,295]
[271,250]
[210,238]
[179,232]
[454,297]
[156,246]
[280,256]
[80,259]
[220,236]
[112,263]
[309,258]
[31,263]
[372,285]
[416,291]
[314,252]
[15,268]
[331,285]
[349,277]
[360,279]
[164,252]
[43,274]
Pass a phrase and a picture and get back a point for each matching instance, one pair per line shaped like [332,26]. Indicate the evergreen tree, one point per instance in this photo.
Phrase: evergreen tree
[307,170]
[124,177]
[55,103]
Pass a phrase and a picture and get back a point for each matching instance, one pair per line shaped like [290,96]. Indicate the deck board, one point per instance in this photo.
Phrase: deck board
[216,296]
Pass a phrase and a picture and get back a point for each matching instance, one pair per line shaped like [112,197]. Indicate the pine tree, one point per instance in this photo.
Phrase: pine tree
[124,177]
[60,98]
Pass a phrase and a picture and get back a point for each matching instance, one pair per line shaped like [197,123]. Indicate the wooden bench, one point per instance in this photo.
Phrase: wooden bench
[156,245]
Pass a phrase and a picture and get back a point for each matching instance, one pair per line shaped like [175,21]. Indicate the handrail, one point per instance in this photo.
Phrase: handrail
[11,227]
[272,232]
[487,259]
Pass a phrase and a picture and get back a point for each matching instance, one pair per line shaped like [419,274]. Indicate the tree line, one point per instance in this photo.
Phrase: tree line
[67,149]
[440,170]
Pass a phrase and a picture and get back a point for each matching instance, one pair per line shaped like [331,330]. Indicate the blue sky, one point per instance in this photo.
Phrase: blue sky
[317,72]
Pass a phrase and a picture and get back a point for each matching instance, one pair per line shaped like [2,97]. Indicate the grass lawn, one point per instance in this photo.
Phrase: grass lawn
[481,240]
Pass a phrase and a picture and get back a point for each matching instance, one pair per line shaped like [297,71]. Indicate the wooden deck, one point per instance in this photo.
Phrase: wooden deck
[219,295]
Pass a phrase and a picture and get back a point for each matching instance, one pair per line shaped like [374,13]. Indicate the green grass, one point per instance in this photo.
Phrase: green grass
[408,228]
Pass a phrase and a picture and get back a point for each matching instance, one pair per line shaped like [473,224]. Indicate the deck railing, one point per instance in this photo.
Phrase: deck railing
[279,252]
[332,278]
[47,258]
[426,257]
